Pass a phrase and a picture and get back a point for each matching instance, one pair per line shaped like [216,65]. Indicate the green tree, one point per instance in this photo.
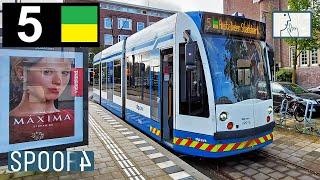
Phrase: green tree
[301,44]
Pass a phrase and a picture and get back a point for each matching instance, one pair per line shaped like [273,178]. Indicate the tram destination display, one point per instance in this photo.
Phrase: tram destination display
[43,100]
[235,26]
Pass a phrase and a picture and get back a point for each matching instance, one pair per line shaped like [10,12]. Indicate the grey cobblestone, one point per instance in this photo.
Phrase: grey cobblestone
[276,175]
[261,176]
[266,170]
[236,175]
[293,173]
[250,172]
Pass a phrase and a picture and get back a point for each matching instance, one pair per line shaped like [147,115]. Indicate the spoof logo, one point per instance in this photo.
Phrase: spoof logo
[288,24]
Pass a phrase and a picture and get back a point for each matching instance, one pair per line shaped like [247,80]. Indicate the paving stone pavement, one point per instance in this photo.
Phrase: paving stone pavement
[251,166]
[120,153]
[147,159]
[300,149]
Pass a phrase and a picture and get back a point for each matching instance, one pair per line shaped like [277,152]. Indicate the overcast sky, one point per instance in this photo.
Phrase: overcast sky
[181,5]
[176,5]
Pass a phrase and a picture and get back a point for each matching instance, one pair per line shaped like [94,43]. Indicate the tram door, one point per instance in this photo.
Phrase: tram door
[167,94]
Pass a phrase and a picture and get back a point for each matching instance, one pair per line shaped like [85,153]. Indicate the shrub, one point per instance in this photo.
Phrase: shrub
[284,74]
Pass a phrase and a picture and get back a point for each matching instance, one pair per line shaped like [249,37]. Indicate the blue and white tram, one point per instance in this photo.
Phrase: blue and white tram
[197,82]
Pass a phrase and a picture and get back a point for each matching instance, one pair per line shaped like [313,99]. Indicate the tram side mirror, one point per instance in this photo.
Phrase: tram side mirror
[191,49]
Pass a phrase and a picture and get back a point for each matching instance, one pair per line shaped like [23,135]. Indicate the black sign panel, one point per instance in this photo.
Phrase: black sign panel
[50,25]
[236,26]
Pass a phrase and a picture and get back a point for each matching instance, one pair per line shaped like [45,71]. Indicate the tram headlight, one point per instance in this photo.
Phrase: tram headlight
[270,109]
[223,116]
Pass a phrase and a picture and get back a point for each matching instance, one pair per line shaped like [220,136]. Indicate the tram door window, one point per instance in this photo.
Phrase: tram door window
[96,81]
[104,77]
[193,90]
[155,84]
[110,80]
[96,84]
[167,94]
[117,77]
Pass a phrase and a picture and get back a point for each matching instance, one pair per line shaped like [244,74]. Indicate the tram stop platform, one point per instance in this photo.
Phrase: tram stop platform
[120,152]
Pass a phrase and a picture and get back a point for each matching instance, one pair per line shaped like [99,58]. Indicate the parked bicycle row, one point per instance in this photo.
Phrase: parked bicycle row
[296,108]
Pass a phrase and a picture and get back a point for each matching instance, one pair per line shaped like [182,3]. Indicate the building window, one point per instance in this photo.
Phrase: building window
[107,23]
[121,37]
[314,56]
[140,26]
[292,51]
[303,58]
[134,10]
[124,23]
[108,39]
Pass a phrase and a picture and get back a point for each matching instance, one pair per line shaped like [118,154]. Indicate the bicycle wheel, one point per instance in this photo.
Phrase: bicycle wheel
[298,113]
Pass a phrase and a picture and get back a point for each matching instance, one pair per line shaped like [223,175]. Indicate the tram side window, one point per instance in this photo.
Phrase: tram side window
[193,99]
[145,81]
[140,77]
[103,77]
[96,77]
[133,81]
[117,78]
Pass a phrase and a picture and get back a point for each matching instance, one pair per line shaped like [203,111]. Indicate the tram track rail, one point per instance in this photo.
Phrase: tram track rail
[220,169]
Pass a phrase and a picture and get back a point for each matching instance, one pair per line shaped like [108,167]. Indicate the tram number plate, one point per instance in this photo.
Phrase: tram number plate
[201,140]
[246,121]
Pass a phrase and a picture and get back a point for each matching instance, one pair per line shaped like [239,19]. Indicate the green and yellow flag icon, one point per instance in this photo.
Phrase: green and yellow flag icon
[79,24]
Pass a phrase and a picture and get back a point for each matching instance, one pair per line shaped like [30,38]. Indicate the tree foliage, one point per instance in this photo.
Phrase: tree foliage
[305,43]
[314,7]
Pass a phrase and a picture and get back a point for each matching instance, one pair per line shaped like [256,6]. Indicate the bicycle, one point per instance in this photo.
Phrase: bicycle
[292,107]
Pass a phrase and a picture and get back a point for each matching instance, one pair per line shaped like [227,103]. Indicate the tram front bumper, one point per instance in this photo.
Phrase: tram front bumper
[244,133]
[222,148]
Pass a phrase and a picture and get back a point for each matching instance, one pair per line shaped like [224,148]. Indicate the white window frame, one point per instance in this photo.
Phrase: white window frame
[104,38]
[104,22]
[316,57]
[138,26]
[120,23]
[121,35]
[306,56]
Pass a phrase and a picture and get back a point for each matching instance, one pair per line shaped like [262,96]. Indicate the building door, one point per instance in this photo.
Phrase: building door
[167,94]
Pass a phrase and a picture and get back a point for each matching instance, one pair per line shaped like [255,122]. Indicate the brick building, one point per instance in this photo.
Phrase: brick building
[308,65]
[119,20]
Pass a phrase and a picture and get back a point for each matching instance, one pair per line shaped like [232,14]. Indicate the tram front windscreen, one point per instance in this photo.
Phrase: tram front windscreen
[238,68]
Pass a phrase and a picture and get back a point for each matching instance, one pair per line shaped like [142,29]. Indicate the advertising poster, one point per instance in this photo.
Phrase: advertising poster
[42,99]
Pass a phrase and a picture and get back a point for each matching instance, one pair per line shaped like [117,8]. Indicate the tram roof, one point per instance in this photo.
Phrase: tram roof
[149,34]
[205,21]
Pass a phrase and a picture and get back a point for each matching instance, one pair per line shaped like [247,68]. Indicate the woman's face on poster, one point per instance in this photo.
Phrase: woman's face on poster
[48,78]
